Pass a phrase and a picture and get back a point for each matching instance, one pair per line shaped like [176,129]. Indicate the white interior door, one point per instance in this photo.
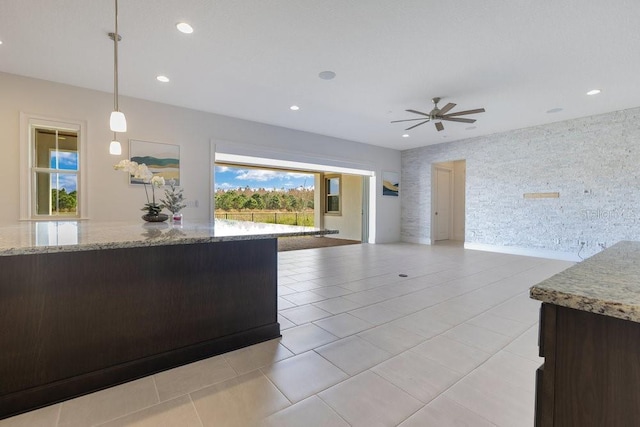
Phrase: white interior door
[442,207]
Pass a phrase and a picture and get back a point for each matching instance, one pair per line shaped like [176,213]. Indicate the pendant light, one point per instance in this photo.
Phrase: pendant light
[115,148]
[117,121]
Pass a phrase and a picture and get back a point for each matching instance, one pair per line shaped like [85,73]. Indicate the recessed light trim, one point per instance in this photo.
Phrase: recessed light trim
[294,108]
[185,28]
[594,92]
[406,135]
[327,75]
[554,110]
[163,79]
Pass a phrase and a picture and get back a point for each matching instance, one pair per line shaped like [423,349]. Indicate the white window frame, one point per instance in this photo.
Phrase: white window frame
[327,195]
[27,185]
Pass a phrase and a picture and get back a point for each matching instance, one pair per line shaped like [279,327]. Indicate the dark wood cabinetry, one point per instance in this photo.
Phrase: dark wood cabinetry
[591,371]
[75,322]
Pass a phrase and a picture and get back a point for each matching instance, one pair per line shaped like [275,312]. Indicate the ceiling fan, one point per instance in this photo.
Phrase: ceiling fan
[438,114]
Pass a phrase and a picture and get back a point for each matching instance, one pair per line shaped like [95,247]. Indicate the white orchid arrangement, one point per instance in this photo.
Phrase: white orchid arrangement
[141,171]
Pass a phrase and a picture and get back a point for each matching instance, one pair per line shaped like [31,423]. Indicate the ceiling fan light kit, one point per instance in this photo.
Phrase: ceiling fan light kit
[437,115]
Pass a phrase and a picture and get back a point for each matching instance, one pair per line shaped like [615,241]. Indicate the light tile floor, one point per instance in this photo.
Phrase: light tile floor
[452,344]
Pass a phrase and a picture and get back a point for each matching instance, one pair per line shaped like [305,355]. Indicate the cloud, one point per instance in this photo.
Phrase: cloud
[298,175]
[262,178]
[66,181]
[268,175]
[256,175]
[66,160]
[225,186]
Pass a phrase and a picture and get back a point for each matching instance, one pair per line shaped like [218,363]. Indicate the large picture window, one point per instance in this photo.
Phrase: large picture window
[332,190]
[52,174]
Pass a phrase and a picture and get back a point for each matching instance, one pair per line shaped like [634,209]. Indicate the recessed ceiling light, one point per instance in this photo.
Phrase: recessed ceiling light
[327,75]
[294,108]
[554,110]
[594,92]
[406,135]
[163,79]
[0,41]
[183,27]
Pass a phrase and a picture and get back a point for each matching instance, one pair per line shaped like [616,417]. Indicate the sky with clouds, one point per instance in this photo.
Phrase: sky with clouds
[65,160]
[230,178]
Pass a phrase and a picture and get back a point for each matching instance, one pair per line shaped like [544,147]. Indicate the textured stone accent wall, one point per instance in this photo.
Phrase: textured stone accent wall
[593,162]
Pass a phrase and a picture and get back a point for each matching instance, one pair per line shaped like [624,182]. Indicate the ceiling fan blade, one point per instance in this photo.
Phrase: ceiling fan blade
[417,112]
[462,113]
[407,120]
[456,119]
[446,108]
[415,126]
[439,126]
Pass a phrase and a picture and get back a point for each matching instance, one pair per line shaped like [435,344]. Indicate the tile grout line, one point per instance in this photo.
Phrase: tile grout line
[193,404]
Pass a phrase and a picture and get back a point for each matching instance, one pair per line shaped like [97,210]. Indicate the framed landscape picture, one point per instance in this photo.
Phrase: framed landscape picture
[390,184]
[161,159]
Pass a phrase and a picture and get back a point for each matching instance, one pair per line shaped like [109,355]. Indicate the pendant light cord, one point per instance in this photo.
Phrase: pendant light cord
[115,63]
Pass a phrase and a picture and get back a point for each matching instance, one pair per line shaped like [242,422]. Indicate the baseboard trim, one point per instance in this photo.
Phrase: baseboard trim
[514,250]
[418,240]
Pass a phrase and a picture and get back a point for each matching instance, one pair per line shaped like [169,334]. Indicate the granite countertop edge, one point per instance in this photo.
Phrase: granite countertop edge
[592,305]
[608,283]
[161,240]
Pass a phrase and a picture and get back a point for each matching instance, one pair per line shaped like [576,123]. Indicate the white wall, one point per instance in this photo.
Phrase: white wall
[110,196]
[349,223]
[459,172]
[593,162]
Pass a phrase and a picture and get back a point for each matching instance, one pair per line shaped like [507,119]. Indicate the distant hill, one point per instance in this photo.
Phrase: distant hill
[154,162]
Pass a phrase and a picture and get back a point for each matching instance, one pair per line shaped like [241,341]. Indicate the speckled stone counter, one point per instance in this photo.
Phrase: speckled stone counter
[86,305]
[71,236]
[607,283]
[590,341]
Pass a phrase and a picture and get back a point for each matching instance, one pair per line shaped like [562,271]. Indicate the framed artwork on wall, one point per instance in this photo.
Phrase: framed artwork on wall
[390,184]
[161,159]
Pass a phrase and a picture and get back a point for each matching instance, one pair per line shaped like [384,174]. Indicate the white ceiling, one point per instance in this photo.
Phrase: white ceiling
[252,59]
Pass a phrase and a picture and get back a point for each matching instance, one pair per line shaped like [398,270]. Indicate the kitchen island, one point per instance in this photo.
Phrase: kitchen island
[590,340]
[86,305]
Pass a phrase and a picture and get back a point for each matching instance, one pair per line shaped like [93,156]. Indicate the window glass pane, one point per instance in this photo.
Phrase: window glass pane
[333,186]
[56,150]
[56,193]
[66,160]
[333,203]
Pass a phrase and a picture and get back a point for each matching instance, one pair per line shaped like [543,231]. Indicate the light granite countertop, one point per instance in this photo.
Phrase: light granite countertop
[69,236]
[608,283]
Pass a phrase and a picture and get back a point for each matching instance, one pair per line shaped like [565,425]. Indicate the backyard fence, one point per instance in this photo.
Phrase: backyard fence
[288,218]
